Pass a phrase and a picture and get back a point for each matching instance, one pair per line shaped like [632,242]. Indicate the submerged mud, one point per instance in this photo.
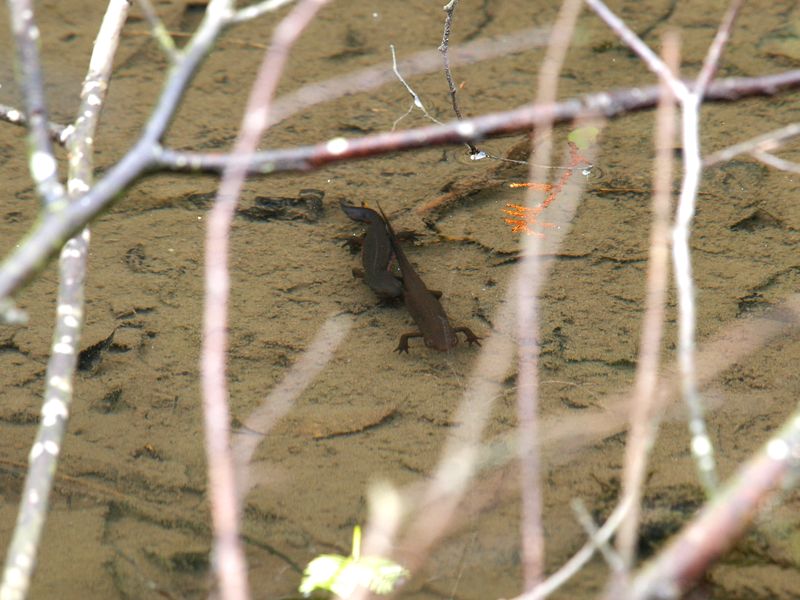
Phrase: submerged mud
[129,515]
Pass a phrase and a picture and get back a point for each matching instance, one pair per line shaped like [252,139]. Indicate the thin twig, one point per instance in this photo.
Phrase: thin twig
[650,58]
[22,552]
[159,31]
[775,161]
[645,409]
[41,160]
[423,62]
[724,520]
[701,445]
[529,283]
[253,11]
[764,142]
[12,115]
[449,9]
[281,398]
[229,563]
[416,102]
[581,557]
[714,52]
[590,527]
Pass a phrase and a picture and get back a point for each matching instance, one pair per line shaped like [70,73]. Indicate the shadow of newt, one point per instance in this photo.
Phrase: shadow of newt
[424,306]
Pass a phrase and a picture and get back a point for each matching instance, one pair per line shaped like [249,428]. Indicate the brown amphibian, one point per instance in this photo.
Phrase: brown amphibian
[424,306]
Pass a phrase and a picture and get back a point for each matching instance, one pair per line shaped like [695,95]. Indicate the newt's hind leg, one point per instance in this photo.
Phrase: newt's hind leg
[403,345]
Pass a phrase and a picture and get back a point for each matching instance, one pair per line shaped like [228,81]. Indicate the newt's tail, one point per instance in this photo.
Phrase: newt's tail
[389,227]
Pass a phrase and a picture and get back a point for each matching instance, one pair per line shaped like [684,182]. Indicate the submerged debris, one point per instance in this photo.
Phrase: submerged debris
[306,207]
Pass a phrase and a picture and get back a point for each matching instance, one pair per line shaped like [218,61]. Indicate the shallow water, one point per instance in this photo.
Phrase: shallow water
[129,516]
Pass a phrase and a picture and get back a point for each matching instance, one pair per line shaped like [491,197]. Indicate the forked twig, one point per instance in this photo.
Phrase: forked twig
[416,99]
[754,146]
[690,98]
[580,558]
[21,556]
[723,520]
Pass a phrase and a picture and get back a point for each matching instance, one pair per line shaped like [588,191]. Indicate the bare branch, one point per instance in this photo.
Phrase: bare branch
[9,114]
[776,162]
[764,142]
[159,31]
[650,58]
[701,446]
[715,50]
[723,521]
[53,230]
[450,8]
[646,403]
[22,552]
[529,282]
[49,234]
[41,160]
[230,564]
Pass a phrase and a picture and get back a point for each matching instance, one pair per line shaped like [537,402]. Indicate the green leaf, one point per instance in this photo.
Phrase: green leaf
[342,574]
[583,137]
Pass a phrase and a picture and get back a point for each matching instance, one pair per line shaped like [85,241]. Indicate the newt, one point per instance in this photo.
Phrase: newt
[424,306]
[376,253]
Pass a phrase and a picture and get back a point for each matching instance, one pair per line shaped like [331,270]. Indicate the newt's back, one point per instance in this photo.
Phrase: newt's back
[424,307]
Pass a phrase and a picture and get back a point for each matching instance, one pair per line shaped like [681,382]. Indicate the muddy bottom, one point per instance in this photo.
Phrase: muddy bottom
[129,515]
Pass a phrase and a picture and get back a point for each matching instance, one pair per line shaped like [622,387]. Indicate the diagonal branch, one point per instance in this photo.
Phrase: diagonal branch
[723,521]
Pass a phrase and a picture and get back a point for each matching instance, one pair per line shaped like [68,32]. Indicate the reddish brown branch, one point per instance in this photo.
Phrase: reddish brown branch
[607,104]
[50,233]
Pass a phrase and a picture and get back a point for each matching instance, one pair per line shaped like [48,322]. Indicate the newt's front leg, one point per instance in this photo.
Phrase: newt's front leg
[471,337]
[403,345]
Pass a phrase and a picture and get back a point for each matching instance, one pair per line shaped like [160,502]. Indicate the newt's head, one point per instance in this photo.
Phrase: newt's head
[443,339]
